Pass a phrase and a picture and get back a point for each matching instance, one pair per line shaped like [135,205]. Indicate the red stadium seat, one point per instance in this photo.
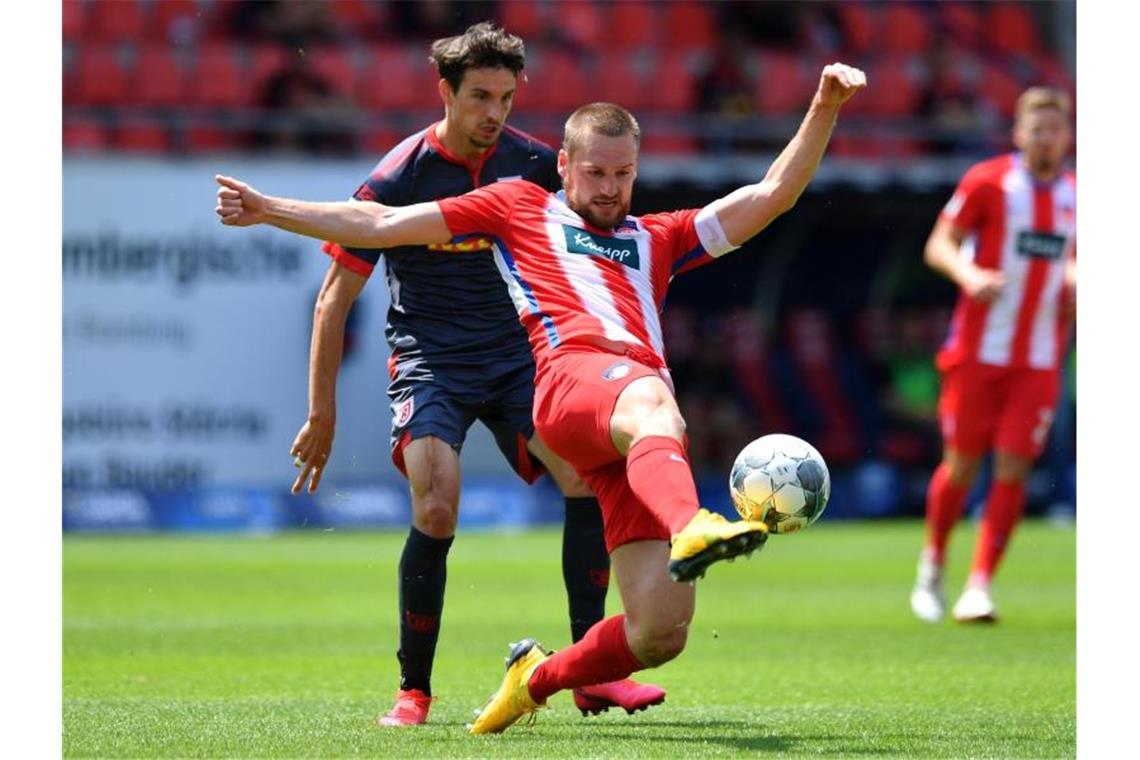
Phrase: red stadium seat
[176,20]
[961,23]
[678,93]
[201,139]
[396,77]
[521,17]
[267,60]
[336,65]
[143,137]
[621,79]
[1000,89]
[84,136]
[631,24]
[689,27]
[118,20]
[1012,29]
[895,92]
[218,79]
[100,78]
[74,16]
[158,78]
[580,21]
[781,86]
[359,18]
[860,27]
[905,29]
[558,85]
[670,143]
[379,142]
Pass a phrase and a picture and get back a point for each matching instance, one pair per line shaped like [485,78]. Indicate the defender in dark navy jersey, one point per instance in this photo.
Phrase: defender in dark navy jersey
[458,354]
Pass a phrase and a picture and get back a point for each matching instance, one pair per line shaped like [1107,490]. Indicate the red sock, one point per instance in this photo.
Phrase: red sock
[660,476]
[944,503]
[1003,510]
[602,655]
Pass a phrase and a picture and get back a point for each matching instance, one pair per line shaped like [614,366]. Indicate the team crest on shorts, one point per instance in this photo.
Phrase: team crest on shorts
[402,411]
[616,371]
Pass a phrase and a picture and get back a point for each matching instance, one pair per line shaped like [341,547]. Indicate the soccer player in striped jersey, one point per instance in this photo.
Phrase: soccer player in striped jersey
[589,281]
[458,354]
[1007,238]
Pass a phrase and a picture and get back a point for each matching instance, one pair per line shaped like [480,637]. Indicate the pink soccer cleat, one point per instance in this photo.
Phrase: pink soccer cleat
[411,709]
[629,695]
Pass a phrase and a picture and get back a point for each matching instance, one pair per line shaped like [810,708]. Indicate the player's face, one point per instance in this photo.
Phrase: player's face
[477,112]
[599,177]
[1043,136]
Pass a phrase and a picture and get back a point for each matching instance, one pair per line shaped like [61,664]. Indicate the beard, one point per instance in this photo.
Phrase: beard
[603,219]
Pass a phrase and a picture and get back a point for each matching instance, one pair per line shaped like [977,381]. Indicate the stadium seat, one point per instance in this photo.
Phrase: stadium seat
[143,137]
[623,78]
[84,136]
[558,86]
[266,59]
[895,92]
[781,87]
[678,92]
[1011,28]
[671,143]
[74,18]
[1000,89]
[100,78]
[118,20]
[336,65]
[176,21]
[359,18]
[521,17]
[961,23]
[217,78]
[205,139]
[905,29]
[860,28]
[158,78]
[379,142]
[631,24]
[689,27]
[580,21]
[395,76]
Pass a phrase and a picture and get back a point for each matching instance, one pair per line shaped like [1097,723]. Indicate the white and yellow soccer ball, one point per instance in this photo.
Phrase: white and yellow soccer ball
[780,480]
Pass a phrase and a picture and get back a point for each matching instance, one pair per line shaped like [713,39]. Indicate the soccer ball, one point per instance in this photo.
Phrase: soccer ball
[780,480]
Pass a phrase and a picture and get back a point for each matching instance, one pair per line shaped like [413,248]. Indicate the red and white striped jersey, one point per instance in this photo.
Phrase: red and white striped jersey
[1027,230]
[574,284]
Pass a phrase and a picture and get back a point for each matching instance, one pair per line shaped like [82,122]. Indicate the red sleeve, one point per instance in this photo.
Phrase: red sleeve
[967,208]
[675,237]
[486,210]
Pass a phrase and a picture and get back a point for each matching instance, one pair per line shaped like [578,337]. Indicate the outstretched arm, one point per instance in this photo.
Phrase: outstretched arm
[349,223]
[747,210]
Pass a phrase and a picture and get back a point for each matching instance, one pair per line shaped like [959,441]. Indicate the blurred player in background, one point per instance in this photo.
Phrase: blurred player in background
[458,354]
[589,281]
[1007,238]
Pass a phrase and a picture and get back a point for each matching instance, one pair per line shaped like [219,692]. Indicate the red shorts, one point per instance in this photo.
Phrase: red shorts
[574,399]
[985,407]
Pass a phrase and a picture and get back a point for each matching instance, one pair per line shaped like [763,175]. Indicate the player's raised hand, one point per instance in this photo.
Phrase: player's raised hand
[838,83]
[310,452]
[239,205]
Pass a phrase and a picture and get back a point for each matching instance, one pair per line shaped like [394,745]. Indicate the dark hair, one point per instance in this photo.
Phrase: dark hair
[606,119]
[482,46]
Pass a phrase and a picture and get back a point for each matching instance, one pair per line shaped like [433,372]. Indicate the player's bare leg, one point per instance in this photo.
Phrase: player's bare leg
[586,572]
[1004,505]
[433,477]
[946,497]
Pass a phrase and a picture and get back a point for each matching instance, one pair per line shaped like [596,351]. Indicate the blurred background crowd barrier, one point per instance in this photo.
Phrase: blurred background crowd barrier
[186,345]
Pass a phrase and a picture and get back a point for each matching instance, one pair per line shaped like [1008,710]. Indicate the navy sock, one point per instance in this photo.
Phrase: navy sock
[585,564]
[423,576]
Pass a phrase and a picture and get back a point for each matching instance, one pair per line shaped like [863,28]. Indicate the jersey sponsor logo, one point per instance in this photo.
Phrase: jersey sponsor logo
[474,244]
[402,411]
[510,177]
[616,371]
[614,249]
[1041,245]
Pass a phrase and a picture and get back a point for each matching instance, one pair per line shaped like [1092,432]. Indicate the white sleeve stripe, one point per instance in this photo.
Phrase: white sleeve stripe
[711,233]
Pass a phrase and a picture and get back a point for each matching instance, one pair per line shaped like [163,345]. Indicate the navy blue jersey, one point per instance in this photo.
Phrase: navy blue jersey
[453,310]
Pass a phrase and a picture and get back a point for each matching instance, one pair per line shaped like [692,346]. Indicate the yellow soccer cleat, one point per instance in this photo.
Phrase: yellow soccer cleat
[709,538]
[512,701]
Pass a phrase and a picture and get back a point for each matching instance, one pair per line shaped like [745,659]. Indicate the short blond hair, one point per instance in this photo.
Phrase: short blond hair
[606,119]
[1043,97]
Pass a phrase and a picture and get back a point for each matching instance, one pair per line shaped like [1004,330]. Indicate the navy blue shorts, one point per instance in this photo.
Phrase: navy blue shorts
[446,401]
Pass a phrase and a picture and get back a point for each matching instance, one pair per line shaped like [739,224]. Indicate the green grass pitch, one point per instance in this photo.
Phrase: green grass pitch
[283,646]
